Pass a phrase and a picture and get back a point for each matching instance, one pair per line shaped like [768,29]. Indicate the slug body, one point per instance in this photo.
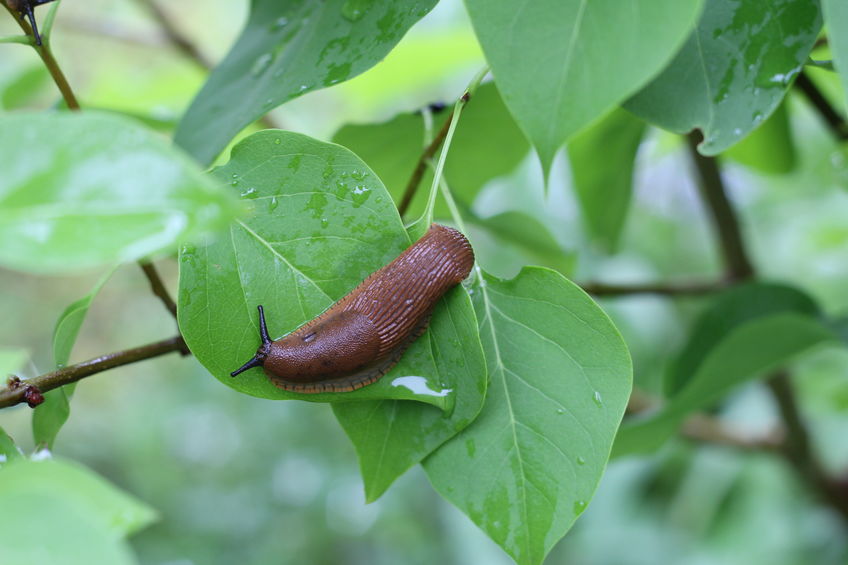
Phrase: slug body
[363,335]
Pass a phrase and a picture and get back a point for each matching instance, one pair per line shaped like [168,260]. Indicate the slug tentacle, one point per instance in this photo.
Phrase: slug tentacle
[363,335]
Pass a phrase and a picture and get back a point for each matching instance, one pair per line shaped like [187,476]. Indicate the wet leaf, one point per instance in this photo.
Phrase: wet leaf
[560,379]
[733,71]
[288,49]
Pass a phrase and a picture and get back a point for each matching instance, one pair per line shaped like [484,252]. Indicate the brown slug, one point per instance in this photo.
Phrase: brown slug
[363,335]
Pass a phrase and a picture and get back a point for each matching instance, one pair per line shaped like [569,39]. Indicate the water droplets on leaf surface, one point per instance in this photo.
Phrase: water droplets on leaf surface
[353,10]
[261,64]
[596,398]
[249,193]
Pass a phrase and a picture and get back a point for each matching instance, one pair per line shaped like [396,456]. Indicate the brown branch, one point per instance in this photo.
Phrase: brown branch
[696,288]
[797,447]
[725,222]
[421,166]
[832,118]
[15,394]
[158,287]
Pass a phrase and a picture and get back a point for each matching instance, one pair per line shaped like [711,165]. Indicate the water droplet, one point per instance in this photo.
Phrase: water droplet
[261,64]
[249,193]
[277,141]
[597,398]
[579,507]
[353,10]
[281,23]
[324,222]
[581,461]
[273,204]
[737,131]
[235,183]
[560,411]
[303,87]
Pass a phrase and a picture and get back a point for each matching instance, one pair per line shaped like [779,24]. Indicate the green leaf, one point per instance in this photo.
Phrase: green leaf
[602,161]
[80,190]
[487,144]
[288,49]
[8,450]
[769,149]
[560,379]
[529,235]
[57,512]
[562,64]
[728,311]
[321,221]
[836,22]
[49,416]
[390,436]
[733,71]
[745,353]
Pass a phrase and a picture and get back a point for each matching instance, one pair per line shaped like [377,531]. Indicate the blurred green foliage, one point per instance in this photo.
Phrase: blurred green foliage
[237,479]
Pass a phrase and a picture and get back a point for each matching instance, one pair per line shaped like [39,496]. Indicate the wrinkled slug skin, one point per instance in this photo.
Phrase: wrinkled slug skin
[360,337]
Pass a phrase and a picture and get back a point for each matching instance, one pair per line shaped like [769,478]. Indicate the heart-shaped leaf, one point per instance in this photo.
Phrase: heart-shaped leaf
[321,221]
[80,190]
[561,64]
[560,379]
[733,71]
[288,49]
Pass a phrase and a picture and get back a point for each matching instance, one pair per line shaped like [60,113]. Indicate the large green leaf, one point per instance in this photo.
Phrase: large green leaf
[49,416]
[487,144]
[57,512]
[561,64]
[728,311]
[747,352]
[321,222]
[285,50]
[390,436]
[733,71]
[560,379]
[80,190]
[836,22]
[602,161]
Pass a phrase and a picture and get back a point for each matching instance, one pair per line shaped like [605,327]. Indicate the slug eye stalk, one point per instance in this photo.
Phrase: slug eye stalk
[25,9]
[259,358]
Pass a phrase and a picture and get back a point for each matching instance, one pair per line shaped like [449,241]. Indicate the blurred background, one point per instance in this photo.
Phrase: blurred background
[244,480]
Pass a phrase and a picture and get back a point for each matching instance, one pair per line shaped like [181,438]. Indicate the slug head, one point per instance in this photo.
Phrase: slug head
[258,360]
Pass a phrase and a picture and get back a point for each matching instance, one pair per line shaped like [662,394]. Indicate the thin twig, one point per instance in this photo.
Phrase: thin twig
[834,120]
[696,288]
[724,218]
[10,396]
[158,287]
[421,166]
